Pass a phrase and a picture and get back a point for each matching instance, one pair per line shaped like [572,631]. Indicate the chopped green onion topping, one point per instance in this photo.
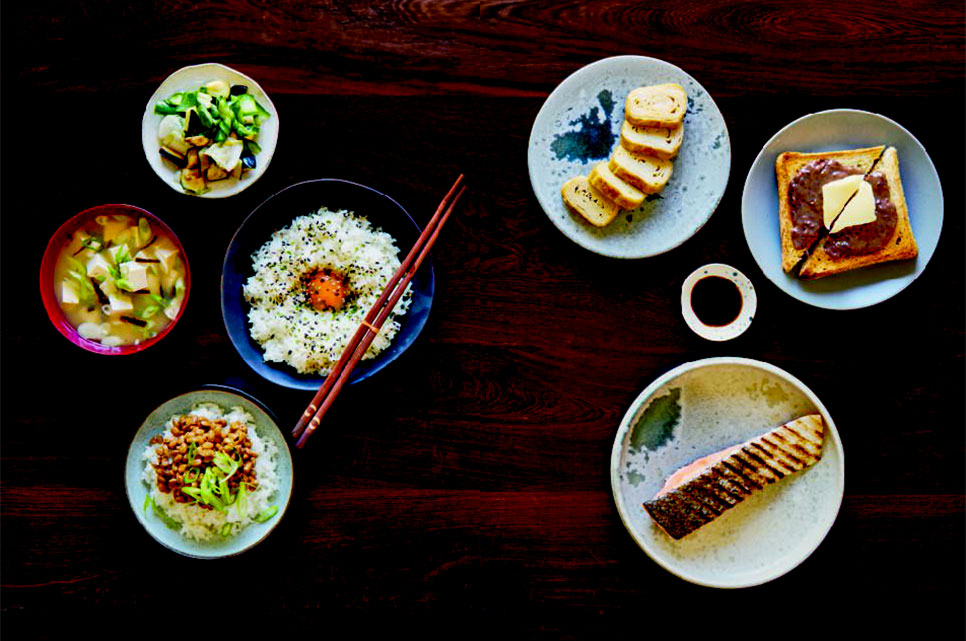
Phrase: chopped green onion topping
[267,514]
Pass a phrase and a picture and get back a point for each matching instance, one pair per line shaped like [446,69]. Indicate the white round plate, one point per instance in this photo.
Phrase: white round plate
[589,103]
[834,130]
[188,79]
[721,402]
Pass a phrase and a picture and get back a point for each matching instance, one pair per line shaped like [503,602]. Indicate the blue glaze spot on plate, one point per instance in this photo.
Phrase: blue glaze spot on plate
[594,139]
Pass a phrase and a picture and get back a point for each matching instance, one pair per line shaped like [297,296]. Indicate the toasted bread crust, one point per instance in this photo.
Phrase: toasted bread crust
[787,165]
[901,246]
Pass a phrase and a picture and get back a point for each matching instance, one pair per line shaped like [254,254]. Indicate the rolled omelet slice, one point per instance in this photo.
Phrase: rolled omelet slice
[617,190]
[656,106]
[583,198]
[660,142]
[646,174]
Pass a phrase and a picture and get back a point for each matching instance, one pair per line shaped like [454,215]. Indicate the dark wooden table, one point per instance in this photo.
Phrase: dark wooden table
[471,477]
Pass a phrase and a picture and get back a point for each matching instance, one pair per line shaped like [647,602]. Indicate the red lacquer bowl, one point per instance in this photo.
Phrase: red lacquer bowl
[57,242]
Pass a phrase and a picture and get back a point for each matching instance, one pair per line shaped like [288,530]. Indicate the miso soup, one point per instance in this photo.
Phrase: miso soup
[120,280]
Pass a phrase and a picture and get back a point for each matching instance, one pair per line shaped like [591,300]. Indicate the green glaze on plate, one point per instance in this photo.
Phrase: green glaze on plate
[656,425]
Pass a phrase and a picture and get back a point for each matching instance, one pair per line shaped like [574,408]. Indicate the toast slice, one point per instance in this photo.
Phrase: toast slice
[787,166]
[656,106]
[647,174]
[584,199]
[881,246]
[621,192]
[659,142]
[700,492]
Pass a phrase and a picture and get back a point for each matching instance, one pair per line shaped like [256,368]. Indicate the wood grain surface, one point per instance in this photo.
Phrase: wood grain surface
[468,483]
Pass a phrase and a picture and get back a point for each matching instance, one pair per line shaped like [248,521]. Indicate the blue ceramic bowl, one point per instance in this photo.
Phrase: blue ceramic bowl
[277,212]
[137,489]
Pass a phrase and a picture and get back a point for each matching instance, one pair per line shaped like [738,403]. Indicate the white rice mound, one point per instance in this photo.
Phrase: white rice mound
[293,332]
[204,525]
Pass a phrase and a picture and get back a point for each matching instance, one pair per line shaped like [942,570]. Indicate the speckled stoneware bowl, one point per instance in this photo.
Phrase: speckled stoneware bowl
[188,79]
[137,488]
[834,130]
[578,127]
[709,405]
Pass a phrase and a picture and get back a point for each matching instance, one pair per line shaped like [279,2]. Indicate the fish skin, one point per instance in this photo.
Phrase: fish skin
[758,462]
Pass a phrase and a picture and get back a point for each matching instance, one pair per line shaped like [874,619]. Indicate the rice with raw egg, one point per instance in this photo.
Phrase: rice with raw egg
[203,524]
[281,320]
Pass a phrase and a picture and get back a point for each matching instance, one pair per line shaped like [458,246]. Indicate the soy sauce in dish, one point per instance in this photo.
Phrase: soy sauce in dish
[716,301]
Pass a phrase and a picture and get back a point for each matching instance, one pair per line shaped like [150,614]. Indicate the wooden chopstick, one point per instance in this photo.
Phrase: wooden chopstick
[377,315]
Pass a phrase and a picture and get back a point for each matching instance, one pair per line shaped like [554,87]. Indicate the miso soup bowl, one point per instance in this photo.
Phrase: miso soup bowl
[56,314]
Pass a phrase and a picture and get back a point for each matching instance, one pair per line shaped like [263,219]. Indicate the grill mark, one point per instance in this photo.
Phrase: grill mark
[799,461]
[777,456]
[767,461]
[751,470]
[744,477]
[790,446]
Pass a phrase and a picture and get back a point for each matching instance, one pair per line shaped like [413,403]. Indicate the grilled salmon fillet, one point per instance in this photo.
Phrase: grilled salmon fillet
[700,492]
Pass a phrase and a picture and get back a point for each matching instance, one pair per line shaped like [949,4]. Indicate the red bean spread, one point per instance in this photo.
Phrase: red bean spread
[805,199]
[870,237]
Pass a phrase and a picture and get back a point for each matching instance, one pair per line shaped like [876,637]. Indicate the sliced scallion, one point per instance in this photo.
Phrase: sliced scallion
[267,514]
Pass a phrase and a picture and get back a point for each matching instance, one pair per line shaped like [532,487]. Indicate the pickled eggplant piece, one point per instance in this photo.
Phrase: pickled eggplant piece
[173,157]
[248,159]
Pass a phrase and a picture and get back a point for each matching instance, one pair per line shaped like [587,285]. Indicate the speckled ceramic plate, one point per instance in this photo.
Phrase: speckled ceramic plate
[137,489]
[704,407]
[188,79]
[830,131]
[578,127]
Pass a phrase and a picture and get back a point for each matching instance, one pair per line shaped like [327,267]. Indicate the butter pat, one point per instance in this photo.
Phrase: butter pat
[835,194]
[859,211]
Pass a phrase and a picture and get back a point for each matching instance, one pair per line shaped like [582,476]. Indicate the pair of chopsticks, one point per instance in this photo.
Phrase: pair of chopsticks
[374,320]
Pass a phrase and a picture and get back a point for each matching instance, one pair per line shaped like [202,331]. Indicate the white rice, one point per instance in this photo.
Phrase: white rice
[199,523]
[292,331]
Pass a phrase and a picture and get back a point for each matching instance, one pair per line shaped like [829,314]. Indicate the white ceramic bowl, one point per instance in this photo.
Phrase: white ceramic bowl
[834,130]
[190,78]
[724,401]
[578,127]
[137,489]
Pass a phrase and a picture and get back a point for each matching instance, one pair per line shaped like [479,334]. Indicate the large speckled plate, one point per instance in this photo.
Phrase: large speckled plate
[578,127]
[700,408]
[830,131]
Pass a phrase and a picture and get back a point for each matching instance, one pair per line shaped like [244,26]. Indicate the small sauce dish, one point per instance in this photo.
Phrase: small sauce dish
[718,302]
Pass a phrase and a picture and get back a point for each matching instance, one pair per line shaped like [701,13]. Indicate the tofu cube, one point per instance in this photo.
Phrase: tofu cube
[98,265]
[120,303]
[113,227]
[68,293]
[167,258]
[136,274]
